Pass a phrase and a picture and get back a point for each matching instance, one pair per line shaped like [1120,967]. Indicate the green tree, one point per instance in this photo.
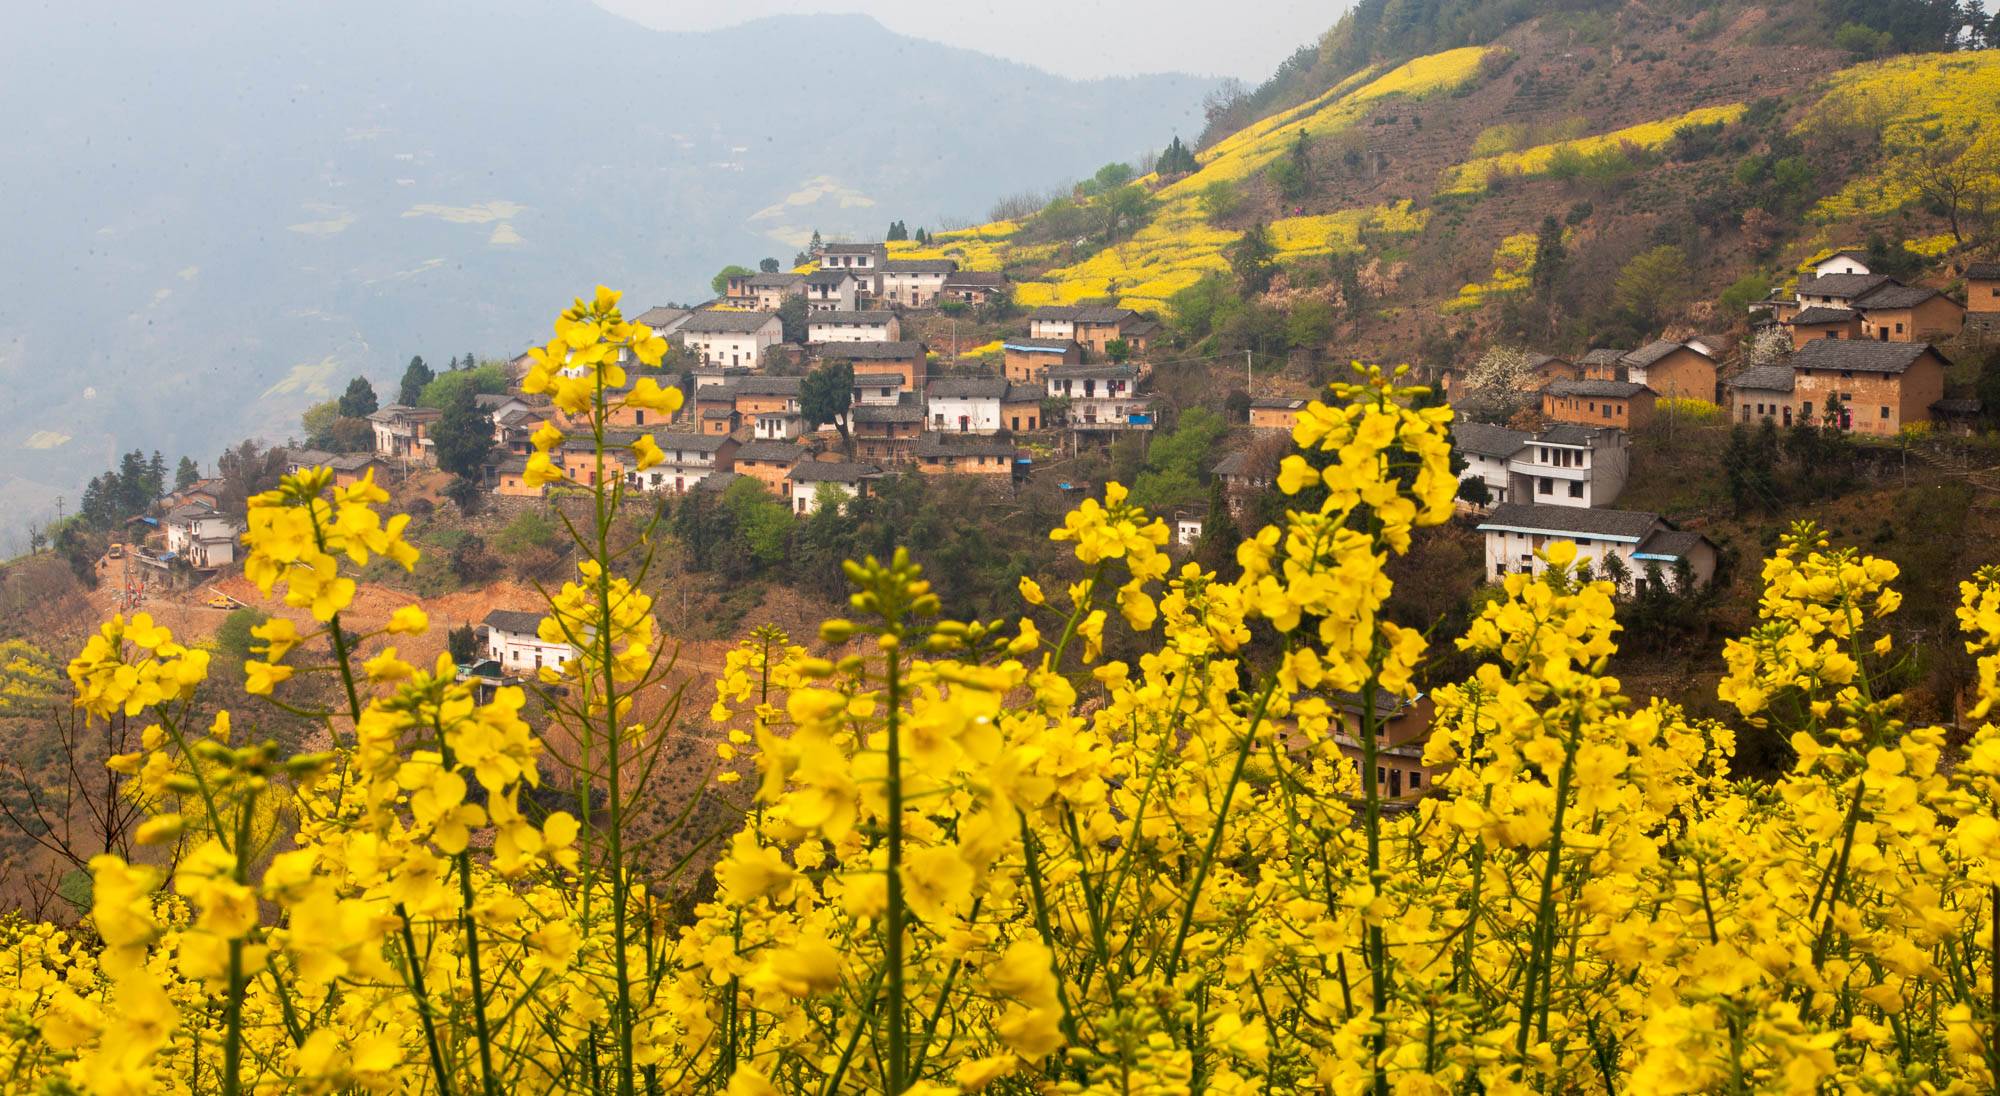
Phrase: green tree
[156,476]
[1178,159]
[463,436]
[317,422]
[1309,325]
[1250,258]
[720,283]
[1175,459]
[897,231]
[767,265]
[1293,175]
[1118,350]
[186,473]
[1549,257]
[827,395]
[414,379]
[488,379]
[233,638]
[1653,284]
[358,402]
[793,319]
[463,644]
[1113,175]
[1220,199]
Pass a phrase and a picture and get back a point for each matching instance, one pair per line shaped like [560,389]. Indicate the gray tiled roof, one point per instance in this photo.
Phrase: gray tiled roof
[962,445]
[1040,346]
[830,277]
[1077,313]
[1859,355]
[831,471]
[1764,378]
[727,323]
[1487,440]
[1632,525]
[782,452]
[1958,407]
[1843,285]
[779,280]
[1280,403]
[854,249]
[991,388]
[977,279]
[1092,372]
[1601,389]
[1820,313]
[909,407]
[691,442]
[659,315]
[511,620]
[869,351]
[1235,464]
[1983,271]
[877,380]
[1654,351]
[1569,433]
[717,481]
[919,266]
[849,319]
[1675,543]
[1896,296]
[1602,355]
[768,386]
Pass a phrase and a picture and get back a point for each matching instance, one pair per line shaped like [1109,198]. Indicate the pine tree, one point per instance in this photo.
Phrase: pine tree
[470,361]
[186,473]
[816,246]
[463,436]
[131,484]
[1549,257]
[1178,159]
[358,402]
[156,476]
[414,379]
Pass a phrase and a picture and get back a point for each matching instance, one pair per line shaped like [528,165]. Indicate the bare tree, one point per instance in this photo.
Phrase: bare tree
[1955,177]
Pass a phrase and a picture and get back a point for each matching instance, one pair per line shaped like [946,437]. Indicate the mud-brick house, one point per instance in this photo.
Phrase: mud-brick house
[1982,292]
[964,455]
[884,433]
[1276,412]
[908,359]
[1910,314]
[1028,361]
[1761,392]
[1822,322]
[1673,370]
[974,286]
[767,462]
[1877,386]
[1623,404]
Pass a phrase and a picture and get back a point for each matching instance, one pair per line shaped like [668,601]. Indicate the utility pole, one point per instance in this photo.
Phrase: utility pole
[1249,379]
[59,509]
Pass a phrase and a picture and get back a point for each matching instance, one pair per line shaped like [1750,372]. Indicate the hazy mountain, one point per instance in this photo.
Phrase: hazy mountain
[218,212]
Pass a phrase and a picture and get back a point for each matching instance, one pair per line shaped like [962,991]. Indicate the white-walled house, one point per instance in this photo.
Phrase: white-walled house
[863,261]
[1841,262]
[1516,532]
[1570,465]
[404,433]
[731,338]
[832,291]
[512,640]
[976,405]
[834,482]
[690,458]
[853,327]
[202,535]
[1487,451]
[1101,397]
[915,283]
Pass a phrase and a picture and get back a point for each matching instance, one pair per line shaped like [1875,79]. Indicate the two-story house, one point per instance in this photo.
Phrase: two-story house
[201,535]
[1982,291]
[1570,465]
[770,405]
[690,458]
[1516,531]
[974,286]
[1821,322]
[833,291]
[1910,313]
[983,405]
[1761,392]
[768,462]
[1623,404]
[1027,361]
[1093,327]
[908,359]
[736,291]
[1242,480]
[884,433]
[833,326]
[731,338]
[964,455]
[1877,386]
[1487,452]
[1101,397]
[1672,369]
[915,283]
[768,291]
[404,433]
[863,261]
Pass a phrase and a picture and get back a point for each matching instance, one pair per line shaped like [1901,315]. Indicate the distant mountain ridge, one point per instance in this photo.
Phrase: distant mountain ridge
[229,208]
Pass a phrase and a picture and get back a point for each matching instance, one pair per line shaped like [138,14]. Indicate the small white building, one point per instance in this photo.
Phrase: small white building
[1188,525]
[833,291]
[1570,465]
[690,458]
[1515,532]
[1841,262]
[915,283]
[983,405]
[882,389]
[864,261]
[768,291]
[834,482]
[853,327]
[512,640]
[202,535]
[731,338]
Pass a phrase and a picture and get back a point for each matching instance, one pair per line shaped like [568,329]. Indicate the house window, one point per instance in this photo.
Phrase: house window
[1899,327]
[1546,486]
[1575,489]
[1416,780]
[1885,412]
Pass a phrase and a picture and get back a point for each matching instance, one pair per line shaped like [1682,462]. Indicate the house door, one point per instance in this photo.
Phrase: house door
[1395,783]
[1788,416]
[964,423]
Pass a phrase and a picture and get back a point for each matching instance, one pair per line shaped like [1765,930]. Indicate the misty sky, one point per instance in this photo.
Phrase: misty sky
[1084,38]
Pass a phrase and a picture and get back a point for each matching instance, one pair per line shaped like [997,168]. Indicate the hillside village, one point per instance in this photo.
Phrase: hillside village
[991,358]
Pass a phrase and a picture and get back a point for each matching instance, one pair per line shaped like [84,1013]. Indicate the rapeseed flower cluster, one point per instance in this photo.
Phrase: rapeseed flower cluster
[1131,839]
